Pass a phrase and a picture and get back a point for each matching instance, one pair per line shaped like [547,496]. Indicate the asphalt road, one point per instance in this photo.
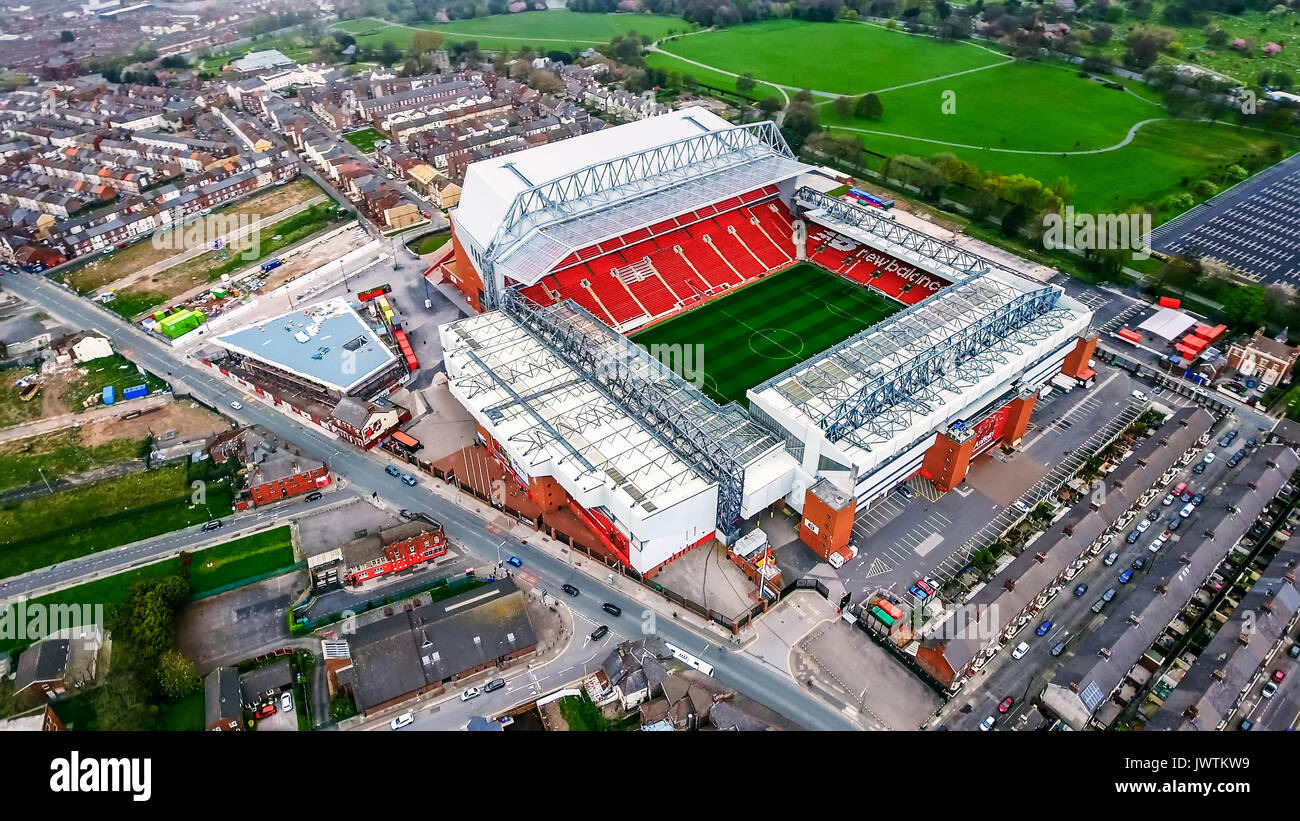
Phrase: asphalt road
[365,472]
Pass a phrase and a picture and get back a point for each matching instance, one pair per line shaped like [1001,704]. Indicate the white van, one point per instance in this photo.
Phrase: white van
[1020,650]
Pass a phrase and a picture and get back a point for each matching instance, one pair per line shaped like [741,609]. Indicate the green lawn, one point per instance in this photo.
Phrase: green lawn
[769,326]
[841,58]
[717,79]
[364,139]
[115,370]
[46,530]
[553,29]
[429,244]
[59,454]
[241,559]
[186,715]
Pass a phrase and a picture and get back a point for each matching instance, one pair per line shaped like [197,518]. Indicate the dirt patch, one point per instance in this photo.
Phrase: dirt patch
[187,419]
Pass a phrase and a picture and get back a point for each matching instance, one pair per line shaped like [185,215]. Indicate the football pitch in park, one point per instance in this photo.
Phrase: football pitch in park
[766,328]
[1116,147]
[553,29]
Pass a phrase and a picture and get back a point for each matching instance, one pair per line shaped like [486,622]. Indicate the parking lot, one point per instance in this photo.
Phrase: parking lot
[1250,227]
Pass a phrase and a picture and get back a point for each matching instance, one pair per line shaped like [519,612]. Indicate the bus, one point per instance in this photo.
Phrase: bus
[870,199]
[686,658]
[377,291]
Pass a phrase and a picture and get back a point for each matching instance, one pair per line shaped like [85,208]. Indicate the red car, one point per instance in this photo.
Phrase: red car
[265,711]
[1179,488]
[1278,675]
[927,588]
[1006,704]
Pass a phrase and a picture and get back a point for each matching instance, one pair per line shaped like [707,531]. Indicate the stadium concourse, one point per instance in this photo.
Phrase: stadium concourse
[564,249]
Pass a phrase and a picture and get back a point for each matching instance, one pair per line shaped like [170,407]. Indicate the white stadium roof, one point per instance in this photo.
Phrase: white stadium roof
[492,184]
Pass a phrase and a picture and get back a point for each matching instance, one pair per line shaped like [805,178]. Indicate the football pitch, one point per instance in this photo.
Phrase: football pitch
[765,328]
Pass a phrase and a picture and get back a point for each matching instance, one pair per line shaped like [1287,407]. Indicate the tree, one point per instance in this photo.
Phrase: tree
[546,82]
[868,107]
[1245,307]
[843,105]
[177,676]
[799,122]
[770,104]
[745,83]
[1101,33]
[389,53]
[66,36]
[423,42]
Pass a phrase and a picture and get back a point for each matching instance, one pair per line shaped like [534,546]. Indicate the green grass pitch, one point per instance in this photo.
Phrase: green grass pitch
[765,328]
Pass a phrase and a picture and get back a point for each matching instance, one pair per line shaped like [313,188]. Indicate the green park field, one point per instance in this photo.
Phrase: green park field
[765,328]
[554,29]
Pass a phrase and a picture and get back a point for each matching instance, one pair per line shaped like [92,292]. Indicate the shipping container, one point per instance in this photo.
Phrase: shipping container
[135,392]
[890,608]
[108,395]
[884,617]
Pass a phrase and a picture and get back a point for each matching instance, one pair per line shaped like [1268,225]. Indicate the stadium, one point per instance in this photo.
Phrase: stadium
[806,349]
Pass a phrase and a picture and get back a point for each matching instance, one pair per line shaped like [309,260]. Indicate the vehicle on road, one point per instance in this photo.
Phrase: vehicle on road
[1294,651]
[1187,510]
[1139,396]
[570,589]
[1179,489]
[212,525]
[1157,543]
[1044,627]
[392,471]
[599,633]
[987,724]
[315,495]
[286,701]
[1227,438]
[612,609]
[1175,522]
[1279,675]
[514,561]
[1109,594]
[470,692]
[1059,647]
[494,685]
[1198,498]
[1099,605]
[1144,525]
[237,405]
[1252,442]
[1111,558]
[1139,562]
[1081,589]
[1168,500]
[1125,576]
[1200,468]
[1269,690]
[1153,515]
[1006,704]
[408,479]
[401,721]
[1021,649]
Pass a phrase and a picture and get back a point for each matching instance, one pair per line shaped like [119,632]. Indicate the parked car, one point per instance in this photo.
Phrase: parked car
[918,592]
[1252,442]
[599,633]
[1111,558]
[1156,543]
[237,405]
[1139,396]
[408,479]
[1023,647]
[1006,704]
[570,589]
[1180,488]
[1139,562]
[494,685]
[1294,651]
[1081,589]
[1153,515]
[315,495]
[1125,576]
[1109,594]
[1168,500]
[1200,468]
[265,711]
[1059,647]
[1269,690]
[987,724]
[470,692]
[286,701]
[1227,438]
[906,492]
[926,586]
[1144,525]
[1174,523]
[1187,510]
[1044,627]
[514,561]
[1246,724]
[1279,675]
[392,471]
[612,609]
[1134,536]
[401,721]
[1198,498]
[1021,506]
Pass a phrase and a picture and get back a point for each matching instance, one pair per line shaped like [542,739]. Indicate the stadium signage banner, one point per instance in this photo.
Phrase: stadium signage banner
[909,273]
